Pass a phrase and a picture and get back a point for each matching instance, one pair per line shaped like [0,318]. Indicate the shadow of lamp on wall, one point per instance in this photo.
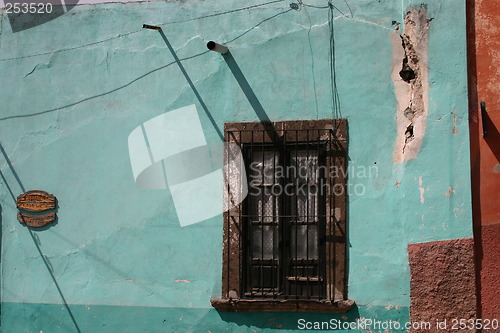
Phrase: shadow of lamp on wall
[490,132]
[240,78]
[188,79]
[34,237]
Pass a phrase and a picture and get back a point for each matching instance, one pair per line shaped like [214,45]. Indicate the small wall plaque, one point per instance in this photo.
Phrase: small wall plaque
[36,201]
[36,220]
[31,203]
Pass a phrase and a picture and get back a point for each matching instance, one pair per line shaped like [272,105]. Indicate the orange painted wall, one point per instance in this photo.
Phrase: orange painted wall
[483,19]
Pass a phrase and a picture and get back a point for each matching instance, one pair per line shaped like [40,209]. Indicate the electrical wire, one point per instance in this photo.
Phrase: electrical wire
[255,26]
[336,113]
[334,92]
[312,63]
[136,31]
[222,13]
[314,6]
[335,98]
[330,5]
[72,48]
[138,78]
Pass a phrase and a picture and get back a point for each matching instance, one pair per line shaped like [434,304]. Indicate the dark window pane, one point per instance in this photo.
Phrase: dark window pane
[264,277]
[304,241]
[265,245]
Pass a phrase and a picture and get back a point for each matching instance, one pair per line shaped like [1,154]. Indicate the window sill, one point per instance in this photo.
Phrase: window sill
[253,305]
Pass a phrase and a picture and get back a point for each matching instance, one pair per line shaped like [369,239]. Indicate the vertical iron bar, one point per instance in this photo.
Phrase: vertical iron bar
[262,217]
[331,193]
[228,228]
[283,224]
[274,215]
[317,217]
[344,218]
[307,213]
[248,223]
[335,225]
[296,204]
[241,251]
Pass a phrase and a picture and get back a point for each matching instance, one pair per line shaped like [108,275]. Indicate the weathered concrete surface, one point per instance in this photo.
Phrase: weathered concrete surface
[442,282]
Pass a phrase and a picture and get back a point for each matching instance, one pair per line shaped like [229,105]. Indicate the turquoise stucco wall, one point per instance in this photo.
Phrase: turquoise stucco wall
[118,254]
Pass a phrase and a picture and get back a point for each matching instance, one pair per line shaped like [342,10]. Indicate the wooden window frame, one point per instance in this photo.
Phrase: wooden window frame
[334,132]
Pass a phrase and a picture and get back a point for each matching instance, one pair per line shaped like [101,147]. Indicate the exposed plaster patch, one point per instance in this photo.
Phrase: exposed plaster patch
[409,74]
[181,280]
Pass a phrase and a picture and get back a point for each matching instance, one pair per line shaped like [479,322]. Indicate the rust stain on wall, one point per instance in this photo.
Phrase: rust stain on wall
[410,77]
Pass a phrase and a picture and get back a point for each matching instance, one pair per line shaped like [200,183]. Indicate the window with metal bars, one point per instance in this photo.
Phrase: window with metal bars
[284,246]
[283,218]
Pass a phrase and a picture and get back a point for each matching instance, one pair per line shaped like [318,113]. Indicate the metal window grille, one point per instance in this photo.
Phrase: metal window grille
[287,238]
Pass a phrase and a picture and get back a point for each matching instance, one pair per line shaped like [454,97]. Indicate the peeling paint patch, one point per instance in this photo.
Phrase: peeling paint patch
[410,77]
[421,189]
[181,280]
[454,131]
[449,192]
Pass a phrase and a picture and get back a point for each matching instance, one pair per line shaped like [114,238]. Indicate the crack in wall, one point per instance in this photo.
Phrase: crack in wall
[409,75]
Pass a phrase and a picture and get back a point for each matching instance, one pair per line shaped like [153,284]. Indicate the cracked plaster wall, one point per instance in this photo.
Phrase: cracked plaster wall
[411,83]
[65,118]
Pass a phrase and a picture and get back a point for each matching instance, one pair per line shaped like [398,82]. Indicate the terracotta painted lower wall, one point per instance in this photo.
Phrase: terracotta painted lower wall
[442,285]
[489,268]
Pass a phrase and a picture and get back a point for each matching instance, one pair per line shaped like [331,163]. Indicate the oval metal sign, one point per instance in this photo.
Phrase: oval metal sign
[32,203]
